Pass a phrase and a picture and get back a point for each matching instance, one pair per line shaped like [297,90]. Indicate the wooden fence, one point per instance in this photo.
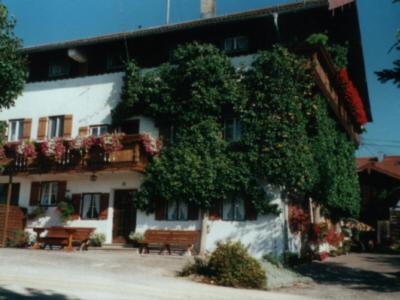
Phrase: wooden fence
[16,221]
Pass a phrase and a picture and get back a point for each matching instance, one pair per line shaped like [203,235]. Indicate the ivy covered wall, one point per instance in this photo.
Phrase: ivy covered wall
[288,136]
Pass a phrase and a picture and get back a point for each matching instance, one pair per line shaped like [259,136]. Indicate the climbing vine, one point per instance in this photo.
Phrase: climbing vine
[289,138]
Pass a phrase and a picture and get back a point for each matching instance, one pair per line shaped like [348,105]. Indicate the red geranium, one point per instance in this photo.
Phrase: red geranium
[352,96]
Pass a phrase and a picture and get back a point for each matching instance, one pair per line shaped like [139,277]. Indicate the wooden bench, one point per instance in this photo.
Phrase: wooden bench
[165,239]
[63,237]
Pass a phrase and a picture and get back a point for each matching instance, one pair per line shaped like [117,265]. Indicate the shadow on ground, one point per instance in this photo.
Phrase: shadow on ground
[333,273]
[32,294]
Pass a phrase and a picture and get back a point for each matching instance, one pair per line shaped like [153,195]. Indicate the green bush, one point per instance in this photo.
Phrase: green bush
[97,239]
[18,239]
[231,265]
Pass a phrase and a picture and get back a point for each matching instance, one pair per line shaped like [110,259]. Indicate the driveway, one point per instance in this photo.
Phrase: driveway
[354,276]
[56,275]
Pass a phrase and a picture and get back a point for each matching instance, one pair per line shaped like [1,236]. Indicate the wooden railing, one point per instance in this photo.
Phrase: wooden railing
[132,157]
[325,76]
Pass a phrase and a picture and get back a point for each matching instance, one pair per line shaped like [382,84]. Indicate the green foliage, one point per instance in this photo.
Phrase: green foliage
[339,53]
[97,239]
[289,138]
[231,265]
[18,239]
[66,210]
[275,121]
[13,71]
[337,184]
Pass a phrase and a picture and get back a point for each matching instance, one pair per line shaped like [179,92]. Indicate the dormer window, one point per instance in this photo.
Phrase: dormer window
[236,44]
[59,69]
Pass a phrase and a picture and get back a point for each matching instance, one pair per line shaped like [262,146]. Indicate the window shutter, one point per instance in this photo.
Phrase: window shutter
[104,206]
[35,194]
[42,128]
[83,131]
[160,209]
[193,212]
[251,212]
[76,203]
[27,129]
[67,126]
[215,210]
[62,187]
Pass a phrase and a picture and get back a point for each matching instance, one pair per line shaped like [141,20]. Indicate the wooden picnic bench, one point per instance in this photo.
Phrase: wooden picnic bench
[165,239]
[63,237]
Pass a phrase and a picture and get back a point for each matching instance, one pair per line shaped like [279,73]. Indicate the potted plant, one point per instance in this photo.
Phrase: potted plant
[136,238]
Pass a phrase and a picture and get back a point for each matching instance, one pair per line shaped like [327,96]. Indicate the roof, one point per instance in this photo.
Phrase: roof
[251,14]
[389,165]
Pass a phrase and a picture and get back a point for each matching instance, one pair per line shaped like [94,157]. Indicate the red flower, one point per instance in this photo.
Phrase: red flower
[352,97]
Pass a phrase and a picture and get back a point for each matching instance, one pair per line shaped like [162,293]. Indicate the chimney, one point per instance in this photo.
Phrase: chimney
[207,8]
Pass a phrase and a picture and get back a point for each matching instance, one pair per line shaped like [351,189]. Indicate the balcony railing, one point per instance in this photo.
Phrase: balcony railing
[132,156]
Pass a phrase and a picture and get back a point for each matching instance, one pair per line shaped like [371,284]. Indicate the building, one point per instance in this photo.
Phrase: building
[74,85]
[380,194]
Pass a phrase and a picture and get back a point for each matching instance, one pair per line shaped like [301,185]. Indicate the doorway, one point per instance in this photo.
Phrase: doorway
[124,215]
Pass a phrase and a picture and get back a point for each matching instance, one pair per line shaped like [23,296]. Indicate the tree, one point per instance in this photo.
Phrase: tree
[13,71]
[394,73]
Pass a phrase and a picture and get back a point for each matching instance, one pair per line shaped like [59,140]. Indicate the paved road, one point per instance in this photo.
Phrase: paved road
[56,275]
[355,276]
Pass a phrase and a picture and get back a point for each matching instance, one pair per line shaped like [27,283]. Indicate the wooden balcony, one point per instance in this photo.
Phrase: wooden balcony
[131,157]
[324,72]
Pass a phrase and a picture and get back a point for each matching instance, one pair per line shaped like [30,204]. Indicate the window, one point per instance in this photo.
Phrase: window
[177,210]
[232,130]
[98,130]
[90,206]
[15,130]
[59,68]
[233,209]
[115,61]
[56,127]
[49,193]
[130,126]
[236,44]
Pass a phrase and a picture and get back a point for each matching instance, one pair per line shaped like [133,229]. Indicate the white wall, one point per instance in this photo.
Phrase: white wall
[89,99]
[79,183]
[264,235]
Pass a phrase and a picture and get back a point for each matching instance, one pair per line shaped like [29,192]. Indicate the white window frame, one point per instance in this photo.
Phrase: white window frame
[236,129]
[50,192]
[92,205]
[235,40]
[59,131]
[99,129]
[19,128]
[179,216]
[58,69]
[233,203]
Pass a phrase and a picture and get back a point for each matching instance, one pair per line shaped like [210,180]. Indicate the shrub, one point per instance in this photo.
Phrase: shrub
[199,267]
[66,210]
[231,265]
[18,239]
[136,237]
[97,239]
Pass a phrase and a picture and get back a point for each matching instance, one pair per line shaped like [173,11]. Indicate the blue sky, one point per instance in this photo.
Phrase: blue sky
[44,21]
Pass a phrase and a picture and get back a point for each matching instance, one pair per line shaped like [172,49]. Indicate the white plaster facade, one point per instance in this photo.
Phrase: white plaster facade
[90,101]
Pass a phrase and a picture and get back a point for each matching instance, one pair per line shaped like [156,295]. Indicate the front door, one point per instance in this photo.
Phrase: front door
[124,215]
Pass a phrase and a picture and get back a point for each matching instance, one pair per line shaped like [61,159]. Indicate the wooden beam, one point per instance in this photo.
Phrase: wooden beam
[9,195]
